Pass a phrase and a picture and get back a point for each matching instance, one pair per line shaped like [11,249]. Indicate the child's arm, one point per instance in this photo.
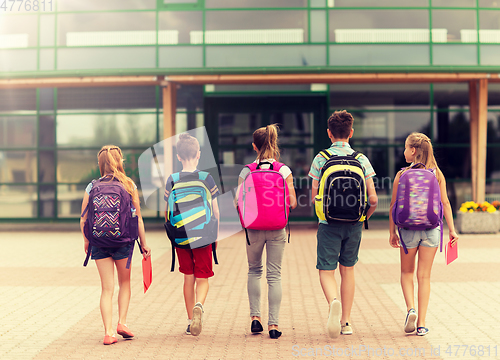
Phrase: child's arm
[142,233]
[215,207]
[314,190]
[372,197]
[291,192]
[82,222]
[448,213]
[393,236]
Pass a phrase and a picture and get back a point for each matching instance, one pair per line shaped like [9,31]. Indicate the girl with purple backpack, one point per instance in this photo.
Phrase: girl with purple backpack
[278,184]
[419,153]
[110,160]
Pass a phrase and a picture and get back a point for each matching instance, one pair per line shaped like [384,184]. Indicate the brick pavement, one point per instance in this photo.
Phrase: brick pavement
[49,303]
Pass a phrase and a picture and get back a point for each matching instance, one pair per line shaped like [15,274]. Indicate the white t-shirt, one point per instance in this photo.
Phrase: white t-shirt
[284,170]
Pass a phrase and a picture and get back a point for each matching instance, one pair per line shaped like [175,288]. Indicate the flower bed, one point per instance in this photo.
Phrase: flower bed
[474,218]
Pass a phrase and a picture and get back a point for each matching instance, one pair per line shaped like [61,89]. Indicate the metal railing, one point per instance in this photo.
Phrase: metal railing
[116,38]
[261,36]
[389,35]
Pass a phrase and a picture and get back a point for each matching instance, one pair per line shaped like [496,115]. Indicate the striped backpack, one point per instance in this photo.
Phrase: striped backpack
[190,221]
[418,203]
[342,196]
[111,220]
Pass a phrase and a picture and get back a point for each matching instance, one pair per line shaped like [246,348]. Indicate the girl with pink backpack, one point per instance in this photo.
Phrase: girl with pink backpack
[265,195]
[419,200]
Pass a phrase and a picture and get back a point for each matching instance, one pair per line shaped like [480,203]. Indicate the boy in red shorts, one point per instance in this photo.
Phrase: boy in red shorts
[195,264]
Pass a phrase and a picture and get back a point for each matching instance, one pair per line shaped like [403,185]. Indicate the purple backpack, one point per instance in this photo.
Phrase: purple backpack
[418,203]
[111,220]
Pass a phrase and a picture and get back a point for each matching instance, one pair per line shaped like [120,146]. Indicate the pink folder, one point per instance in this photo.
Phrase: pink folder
[450,252]
[147,273]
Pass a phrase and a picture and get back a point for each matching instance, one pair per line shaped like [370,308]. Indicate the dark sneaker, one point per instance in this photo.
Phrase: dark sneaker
[422,331]
[411,319]
[188,330]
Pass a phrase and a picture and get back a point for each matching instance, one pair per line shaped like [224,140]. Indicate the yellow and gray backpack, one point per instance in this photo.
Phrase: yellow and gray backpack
[191,222]
[342,196]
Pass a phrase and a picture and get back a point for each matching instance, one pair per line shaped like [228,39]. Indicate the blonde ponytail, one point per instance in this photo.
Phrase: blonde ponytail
[424,152]
[110,159]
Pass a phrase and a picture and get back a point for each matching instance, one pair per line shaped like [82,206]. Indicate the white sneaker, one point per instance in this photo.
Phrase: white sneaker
[197,323]
[333,324]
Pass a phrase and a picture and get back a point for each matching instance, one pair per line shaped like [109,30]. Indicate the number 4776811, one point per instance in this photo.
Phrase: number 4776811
[25,5]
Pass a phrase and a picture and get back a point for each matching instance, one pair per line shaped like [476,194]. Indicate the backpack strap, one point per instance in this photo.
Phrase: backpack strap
[89,250]
[252,166]
[326,154]
[173,258]
[402,242]
[214,253]
[131,252]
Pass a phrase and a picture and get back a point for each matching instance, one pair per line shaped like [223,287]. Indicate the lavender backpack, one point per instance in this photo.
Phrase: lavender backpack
[111,220]
[418,203]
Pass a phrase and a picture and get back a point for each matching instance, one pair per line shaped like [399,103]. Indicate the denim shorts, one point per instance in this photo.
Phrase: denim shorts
[117,253]
[416,238]
[338,243]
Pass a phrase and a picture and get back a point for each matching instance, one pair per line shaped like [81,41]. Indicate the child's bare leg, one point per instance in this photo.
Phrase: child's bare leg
[106,268]
[328,284]
[407,271]
[189,299]
[125,292]
[201,290]
[347,286]
[425,260]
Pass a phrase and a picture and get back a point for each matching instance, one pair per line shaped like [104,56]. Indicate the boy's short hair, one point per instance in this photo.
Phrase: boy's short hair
[340,124]
[187,147]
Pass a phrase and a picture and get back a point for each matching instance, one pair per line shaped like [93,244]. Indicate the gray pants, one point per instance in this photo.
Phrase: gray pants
[275,245]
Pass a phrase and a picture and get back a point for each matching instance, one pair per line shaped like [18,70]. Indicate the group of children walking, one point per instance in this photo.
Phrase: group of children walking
[343,194]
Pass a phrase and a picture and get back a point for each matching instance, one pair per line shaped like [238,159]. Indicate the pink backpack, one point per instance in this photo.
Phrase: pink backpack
[263,202]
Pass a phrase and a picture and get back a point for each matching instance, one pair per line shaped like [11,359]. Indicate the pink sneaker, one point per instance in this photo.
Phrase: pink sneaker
[123,330]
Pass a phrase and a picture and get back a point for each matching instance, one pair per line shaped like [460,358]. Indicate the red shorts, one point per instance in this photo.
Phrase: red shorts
[196,261]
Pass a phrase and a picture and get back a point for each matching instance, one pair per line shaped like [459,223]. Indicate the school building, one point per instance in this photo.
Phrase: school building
[75,75]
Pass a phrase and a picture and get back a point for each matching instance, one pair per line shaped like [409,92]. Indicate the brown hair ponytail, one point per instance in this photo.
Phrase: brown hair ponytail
[424,153]
[110,159]
[266,142]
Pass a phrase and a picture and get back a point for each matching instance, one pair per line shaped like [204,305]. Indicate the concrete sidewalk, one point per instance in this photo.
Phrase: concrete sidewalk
[49,303]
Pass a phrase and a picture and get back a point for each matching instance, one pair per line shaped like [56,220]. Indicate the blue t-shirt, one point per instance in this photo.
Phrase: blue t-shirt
[214,190]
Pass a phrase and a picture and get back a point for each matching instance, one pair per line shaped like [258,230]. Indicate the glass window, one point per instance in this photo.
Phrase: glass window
[181,57]
[317,3]
[102,129]
[189,97]
[20,31]
[296,128]
[378,3]
[47,201]
[457,22]
[18,60]
[18,131]
[46,131]
[47,59]
[46,99]
[88,5]
[454,55]
[489,3]
[388,127]
[47,166]
[490,55]
[127,28]
[255,56]
[493,94]
[401,95]
[489,24]
[18,201]
[77,166]
[17,166]
[454,3]
[47,30]
[176,26]
[69,200]
[237,129]
[379,26]
[261,88]
[273,26]
[17,99]
[106,58]
[180,1]
[382,55]
[107,98]
[318,26]
[451,94]
[254,3]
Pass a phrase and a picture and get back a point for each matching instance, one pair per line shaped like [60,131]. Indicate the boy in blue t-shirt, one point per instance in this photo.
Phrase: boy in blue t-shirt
[195,264]
[339,243]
